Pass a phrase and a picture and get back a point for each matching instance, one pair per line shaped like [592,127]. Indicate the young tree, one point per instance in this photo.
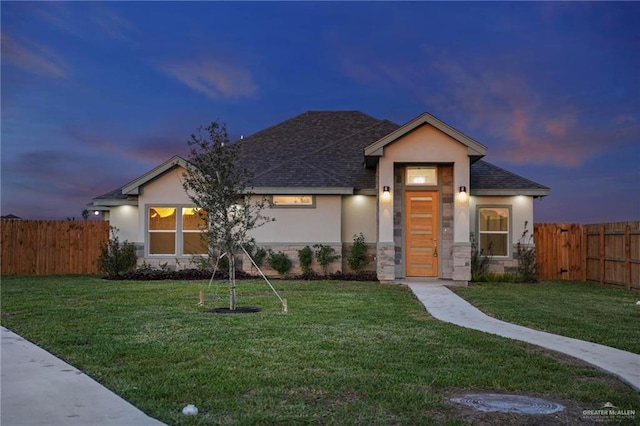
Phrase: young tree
[220,185]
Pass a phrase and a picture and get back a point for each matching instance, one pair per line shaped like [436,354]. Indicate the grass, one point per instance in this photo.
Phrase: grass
[582,310]
[346,353]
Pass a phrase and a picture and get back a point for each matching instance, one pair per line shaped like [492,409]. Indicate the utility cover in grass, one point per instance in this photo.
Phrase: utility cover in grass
[238,310]
[520,404]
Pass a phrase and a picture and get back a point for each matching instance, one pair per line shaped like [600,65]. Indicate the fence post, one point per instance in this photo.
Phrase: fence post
[601,252]
[583,254]
[627,256]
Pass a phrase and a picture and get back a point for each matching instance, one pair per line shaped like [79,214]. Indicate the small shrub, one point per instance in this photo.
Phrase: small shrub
[358,257]
[202,263]
[222,263]
[144,267]
[305,256]
[280,262]
[259,256]
[325,255]
[479,261]
[115,258]
[527,266]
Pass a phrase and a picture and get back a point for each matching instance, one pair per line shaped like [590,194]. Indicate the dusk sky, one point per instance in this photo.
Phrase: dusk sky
[96,94]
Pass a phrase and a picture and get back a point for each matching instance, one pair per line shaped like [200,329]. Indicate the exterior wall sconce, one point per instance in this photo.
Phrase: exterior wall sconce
[462,194]
[386,193]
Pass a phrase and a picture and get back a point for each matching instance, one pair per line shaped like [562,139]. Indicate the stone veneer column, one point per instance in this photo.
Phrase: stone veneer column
[386,269]
[446,222]
[398,219]
[461,262]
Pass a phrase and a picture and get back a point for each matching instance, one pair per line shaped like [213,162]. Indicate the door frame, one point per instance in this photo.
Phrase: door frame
[437,226]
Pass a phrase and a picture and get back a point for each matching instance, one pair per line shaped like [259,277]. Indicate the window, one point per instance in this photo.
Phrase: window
[293,201]
[494,230]
[175,231]
[422,176]
[192,225]
[162,230]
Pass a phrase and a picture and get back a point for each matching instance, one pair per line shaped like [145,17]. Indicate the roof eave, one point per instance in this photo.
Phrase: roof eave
[376,149]
[133,187]
[301,190]
[97,204]
[531,192]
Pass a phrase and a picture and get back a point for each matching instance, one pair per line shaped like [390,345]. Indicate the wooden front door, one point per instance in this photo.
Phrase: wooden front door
[421,233]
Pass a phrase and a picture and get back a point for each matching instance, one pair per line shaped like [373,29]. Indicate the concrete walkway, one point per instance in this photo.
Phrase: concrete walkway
[445,305]
[39,389]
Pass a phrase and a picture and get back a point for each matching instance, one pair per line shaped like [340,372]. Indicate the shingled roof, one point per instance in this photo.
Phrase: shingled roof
[316,149]
[487,179]
[324,152]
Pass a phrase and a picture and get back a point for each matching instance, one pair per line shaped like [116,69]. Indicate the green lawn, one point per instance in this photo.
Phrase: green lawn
[582,310]
[347,353]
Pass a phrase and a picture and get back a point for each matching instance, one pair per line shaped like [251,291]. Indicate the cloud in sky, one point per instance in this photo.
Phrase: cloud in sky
[33,57]
[112,24]
[528,127]
[109,90]
[82,21]
[55,183]
[501,98]
[214,78]
[148,149]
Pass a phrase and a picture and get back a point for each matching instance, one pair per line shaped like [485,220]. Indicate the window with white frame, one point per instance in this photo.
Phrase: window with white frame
[293,201]
[193,224]
[422,176]
[175,231]
[493,230]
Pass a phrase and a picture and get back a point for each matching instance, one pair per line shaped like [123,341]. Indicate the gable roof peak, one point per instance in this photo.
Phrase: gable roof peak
[476,150]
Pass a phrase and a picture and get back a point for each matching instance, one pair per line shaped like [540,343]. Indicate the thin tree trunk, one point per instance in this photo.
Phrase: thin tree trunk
[232,281]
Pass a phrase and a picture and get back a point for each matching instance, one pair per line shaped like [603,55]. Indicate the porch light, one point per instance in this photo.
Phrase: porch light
[386,193]
[96,213]
[462,194]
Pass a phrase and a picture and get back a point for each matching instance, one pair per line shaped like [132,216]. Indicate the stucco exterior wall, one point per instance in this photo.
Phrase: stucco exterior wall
[425,145]
[521,208]
[125,218]
[521,212]
[166,189]
[359,215]
[320,224]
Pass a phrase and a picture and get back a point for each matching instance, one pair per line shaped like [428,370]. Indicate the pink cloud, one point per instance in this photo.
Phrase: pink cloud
[149,149]
[95,16]
[112,24]
[500,101]
[214,78]
[527,129]
[33,57]
[559,127]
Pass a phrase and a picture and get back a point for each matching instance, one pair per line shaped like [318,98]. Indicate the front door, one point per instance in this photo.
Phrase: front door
[421,233]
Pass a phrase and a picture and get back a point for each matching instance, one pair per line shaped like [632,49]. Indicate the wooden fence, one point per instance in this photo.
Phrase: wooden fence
[608,253]
[36,247]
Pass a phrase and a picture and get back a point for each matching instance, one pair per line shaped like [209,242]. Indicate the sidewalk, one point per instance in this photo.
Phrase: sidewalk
[39,389]
[445,305]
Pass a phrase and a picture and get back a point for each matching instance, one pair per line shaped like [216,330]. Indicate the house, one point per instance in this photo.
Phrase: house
[417,192]
[11,217]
